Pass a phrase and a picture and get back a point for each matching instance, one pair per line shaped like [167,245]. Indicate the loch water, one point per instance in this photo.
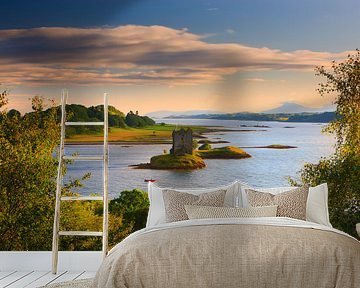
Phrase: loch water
[266,167]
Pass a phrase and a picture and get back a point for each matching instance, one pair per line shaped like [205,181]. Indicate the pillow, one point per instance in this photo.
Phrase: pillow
[290,203]
[156,213]
[175,202]
[317,210]
[201,212]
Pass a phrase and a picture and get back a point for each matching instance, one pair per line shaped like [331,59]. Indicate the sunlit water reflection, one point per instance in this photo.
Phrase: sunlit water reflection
[266,167]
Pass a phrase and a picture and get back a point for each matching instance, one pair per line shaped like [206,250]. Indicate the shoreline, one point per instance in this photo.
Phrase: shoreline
[126,143]
[200,136]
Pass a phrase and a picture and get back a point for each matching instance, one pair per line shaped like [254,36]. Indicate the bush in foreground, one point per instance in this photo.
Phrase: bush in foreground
[342,169]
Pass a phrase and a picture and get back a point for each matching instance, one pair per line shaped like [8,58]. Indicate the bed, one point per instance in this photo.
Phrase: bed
[234,252]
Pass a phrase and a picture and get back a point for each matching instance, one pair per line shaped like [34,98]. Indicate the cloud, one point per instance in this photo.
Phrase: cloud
[230,31]
[256,79]
[135,55]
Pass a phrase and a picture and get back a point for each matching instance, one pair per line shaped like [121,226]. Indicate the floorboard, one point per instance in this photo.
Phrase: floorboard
[68,276]
[46,279]
[12,278]
[5,274]
[35,279]
[28,279]
[87,275]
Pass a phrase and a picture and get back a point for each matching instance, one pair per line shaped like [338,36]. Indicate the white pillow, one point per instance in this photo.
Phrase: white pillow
[317,210]
[203,212]
[156,213]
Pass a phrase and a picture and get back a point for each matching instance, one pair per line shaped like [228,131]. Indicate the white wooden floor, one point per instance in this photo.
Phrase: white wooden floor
[30,279]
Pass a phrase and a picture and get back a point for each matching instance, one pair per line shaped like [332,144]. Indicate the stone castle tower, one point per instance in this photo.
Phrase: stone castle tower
[182,142]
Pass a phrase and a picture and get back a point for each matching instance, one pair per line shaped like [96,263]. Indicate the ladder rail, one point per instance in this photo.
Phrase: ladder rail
[105,175]
[55,243]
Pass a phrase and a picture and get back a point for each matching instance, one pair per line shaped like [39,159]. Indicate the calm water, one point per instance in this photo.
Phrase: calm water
[267,167]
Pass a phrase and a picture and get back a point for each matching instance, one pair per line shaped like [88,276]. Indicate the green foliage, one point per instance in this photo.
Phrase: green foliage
[341,170]
[342,175]
[3,98]
[116,117]
[135,120]
[344,79]
[195,144]
[205,146]
[28,171]
[79,216]
[80,113]
[132,206]
[127,214]
[14,113]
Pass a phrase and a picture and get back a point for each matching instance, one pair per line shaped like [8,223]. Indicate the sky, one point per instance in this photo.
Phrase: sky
[150,55]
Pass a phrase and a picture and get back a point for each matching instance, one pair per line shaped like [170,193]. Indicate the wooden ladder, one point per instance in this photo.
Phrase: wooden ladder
[59,183]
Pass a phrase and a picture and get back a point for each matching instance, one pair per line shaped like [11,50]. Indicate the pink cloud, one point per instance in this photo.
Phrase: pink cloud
[135,55]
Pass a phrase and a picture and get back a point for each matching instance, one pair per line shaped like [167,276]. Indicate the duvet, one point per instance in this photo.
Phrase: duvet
[237,252]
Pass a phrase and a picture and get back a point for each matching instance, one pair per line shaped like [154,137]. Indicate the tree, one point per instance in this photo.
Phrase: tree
[133,206]
[14,113]
[342,169]
[27,173]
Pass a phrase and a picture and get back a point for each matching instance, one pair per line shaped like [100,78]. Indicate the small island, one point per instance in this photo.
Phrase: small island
[228,152]
[183,156]
[169,161]
[273,146]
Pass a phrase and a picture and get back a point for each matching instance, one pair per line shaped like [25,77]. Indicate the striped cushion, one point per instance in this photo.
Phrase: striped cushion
[175,201]
[290,203]
[201,212]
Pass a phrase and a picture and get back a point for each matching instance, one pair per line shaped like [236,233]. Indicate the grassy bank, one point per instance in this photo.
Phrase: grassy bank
[228,152]
[169,161]
[152,134]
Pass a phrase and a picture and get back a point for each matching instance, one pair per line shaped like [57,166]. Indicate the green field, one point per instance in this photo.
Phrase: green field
[151,134]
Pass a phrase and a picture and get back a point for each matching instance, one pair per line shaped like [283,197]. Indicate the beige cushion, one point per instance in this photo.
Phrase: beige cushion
[290,203]
[175,201]
[201,212]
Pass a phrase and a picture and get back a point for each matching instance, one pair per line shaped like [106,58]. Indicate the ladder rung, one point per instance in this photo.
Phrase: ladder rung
[84,123]
[81,198]
[80,233]
[83,157]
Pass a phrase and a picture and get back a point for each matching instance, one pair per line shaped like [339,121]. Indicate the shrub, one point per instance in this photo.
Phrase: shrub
[342,169]
[205,146]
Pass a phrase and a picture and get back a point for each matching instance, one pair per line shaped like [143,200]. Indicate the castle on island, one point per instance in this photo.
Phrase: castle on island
[182,142]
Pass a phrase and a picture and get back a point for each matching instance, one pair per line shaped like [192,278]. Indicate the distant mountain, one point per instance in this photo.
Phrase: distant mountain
[289,107]
[170,114]
[314,117]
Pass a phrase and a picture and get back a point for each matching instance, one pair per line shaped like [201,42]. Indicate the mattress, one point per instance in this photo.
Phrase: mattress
[234,252]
